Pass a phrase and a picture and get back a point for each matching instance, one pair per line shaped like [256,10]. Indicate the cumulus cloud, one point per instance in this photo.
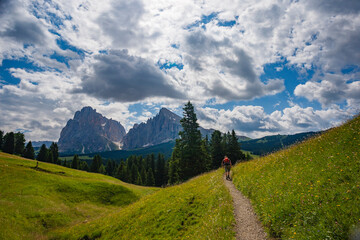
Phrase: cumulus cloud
[254,122]
[334,88]
[121,77]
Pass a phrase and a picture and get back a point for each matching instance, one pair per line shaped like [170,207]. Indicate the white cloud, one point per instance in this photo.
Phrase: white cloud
[254,122]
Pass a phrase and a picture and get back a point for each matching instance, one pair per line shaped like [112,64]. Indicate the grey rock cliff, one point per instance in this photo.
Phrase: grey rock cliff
[89,131]
[164,127]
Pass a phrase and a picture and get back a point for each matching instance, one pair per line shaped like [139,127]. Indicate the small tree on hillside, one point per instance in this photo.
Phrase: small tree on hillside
[75,164]
[43,154]
[19,143]
[54,151]
[9,144]
[96,164]
[29,151]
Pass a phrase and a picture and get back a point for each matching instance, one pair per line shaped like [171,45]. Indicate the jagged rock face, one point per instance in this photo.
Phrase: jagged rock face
[89,132]
[162,128]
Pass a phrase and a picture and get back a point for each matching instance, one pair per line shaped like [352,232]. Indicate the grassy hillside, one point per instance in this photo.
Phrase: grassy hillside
[309,191]
[198,209]
[35,202]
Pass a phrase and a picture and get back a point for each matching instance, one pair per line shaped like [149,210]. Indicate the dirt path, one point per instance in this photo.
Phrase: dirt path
[247,226]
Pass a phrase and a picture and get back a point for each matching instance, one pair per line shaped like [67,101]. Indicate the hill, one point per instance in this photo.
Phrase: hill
[198,209]
[308,191]
[270,144]
[36,201]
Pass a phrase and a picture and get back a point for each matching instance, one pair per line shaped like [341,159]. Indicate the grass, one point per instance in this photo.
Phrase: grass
[309,191]
[34,202]
[198,209]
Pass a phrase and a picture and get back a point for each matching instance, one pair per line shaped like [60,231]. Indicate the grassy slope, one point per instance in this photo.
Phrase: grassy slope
[33,203]
[198,209]
[310,191]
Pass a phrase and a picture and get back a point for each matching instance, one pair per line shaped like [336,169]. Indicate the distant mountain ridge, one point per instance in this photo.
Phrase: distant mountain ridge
[89,131]
[269,144]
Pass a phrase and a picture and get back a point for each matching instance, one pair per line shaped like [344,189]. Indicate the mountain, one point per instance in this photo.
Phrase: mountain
[164,127]
[89,131]
[269,144]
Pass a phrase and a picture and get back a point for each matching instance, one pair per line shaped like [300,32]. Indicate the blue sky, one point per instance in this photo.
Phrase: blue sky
[260,68]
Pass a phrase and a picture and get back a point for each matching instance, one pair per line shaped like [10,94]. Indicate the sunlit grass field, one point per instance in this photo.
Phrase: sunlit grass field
[35,202]
[198,209]
[309,191]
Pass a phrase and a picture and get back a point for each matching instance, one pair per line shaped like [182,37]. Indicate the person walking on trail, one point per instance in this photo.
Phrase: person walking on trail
[226,162]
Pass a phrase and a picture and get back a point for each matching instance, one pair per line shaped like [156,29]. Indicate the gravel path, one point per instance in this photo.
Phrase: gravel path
[248,227]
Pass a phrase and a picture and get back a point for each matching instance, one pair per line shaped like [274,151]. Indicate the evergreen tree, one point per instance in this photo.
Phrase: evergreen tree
[160,170]
[134,173]
[96,164]
[29,151]
[190,141]
[84,166]
[234,148]
[102,169]
[9,144]
[75,164]
[110,167]
[216,149]
[150,180]
[1,139]
[174,168]
[43,154]
[143,175]
[19,142]
[138,179]
[54,151]
[49,158]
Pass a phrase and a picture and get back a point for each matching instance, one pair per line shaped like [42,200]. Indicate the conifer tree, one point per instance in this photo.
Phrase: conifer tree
[190,141]
[102,169]
[84,166]
[19,143]
[143,175]
[216,149]
[43,154]
[138,179]
[9,144]
[75,164]
[54,151]
[234,151]
[150,180]
[96,164]
[160,170]
[29,151]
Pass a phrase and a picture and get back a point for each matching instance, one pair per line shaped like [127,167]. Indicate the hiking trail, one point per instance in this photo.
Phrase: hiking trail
[247,227]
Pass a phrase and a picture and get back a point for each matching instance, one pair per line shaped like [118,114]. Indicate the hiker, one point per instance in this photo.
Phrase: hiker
[226,162]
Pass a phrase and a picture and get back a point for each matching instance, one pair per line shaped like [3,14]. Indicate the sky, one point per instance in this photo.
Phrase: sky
[259,67]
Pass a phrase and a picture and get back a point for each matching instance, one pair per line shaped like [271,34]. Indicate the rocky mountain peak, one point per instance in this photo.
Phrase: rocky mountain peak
[89,131]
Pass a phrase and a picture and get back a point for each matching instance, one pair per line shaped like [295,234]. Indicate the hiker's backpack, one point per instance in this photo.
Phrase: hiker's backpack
[226,161]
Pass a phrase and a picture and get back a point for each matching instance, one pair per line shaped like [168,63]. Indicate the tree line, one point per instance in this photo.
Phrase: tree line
[14,143]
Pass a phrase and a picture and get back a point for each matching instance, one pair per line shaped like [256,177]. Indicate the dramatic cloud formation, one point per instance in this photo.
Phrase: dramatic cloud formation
[120,77]
[262,67]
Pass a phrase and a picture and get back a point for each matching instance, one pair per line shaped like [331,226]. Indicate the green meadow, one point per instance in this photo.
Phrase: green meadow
[36,201]
[308,191]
